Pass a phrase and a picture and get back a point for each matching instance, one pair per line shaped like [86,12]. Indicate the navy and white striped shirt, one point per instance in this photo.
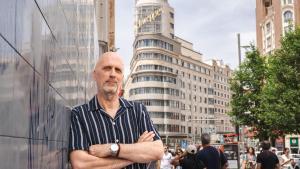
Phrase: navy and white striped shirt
[90,125]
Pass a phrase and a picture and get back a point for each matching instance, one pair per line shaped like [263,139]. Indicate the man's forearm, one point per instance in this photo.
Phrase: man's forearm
[142,152]
[82,160]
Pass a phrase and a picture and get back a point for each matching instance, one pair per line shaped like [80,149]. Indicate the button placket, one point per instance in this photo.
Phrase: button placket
[114,131]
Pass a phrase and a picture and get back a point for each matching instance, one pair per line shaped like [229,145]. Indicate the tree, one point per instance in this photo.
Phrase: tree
[267,93]
[246,85]
[281,94]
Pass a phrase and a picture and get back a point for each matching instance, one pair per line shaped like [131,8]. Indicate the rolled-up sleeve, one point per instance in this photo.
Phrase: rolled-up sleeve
[77,136]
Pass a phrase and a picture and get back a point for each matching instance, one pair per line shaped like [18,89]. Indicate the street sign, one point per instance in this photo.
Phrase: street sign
[294,142]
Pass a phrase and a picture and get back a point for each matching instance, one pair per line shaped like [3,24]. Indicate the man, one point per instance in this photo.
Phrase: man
[188,159]
[267,159]
[165,162]
[210,156]
[294,165]
[110,132]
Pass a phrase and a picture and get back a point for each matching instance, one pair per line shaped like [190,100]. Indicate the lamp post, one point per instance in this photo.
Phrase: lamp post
[237,127]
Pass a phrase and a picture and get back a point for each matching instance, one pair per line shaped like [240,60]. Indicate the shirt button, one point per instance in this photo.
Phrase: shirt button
[113,123]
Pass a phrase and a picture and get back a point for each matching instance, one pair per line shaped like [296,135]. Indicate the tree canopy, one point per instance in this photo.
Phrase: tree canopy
[266,90]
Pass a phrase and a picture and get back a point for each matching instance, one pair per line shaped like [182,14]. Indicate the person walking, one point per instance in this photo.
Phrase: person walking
[267,159]
[109,131]
[286,159]
[165,162]
[249,160]
[188,159]
[210,156]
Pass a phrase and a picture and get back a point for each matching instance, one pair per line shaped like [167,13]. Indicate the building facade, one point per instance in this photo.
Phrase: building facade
[48,49]
[169,77]
[273,19]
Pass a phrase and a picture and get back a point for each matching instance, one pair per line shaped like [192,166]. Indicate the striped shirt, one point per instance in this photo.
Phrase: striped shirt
[90,125]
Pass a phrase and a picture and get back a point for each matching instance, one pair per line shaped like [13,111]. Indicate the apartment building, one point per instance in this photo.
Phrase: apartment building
[184,95]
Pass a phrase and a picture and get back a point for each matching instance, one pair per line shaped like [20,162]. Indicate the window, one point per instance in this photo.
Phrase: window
[288,16]
[172,35]
[172,25]
[171,14]
[269,43]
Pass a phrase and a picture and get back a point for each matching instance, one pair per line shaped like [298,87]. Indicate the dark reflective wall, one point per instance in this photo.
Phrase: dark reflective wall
[47,51]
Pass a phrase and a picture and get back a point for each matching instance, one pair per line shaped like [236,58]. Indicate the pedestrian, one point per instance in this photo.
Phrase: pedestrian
[188,160]
[165,162]
[210,156]
[249,159]
[179,156]
[109,131]
[286,159]
[267,159]
[294,165]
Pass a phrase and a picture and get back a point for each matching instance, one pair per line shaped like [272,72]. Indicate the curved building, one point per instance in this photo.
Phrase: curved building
[169,77]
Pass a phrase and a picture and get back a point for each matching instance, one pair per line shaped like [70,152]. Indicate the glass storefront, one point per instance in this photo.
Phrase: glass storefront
[47,51]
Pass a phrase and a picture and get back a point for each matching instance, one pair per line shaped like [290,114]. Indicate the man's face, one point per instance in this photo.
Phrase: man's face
[109,73]
[165,149]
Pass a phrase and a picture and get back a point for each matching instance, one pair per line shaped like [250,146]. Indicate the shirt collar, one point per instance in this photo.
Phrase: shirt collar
[94,104]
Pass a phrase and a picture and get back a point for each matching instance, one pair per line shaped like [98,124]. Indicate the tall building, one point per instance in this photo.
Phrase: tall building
[180,91]
[273,19]
[105,19]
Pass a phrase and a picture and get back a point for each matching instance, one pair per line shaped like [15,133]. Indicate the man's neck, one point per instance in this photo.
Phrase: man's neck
[109,104]
[205,145]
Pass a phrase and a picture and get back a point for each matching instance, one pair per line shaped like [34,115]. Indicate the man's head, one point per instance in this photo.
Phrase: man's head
[265,145]
[205,138]
[191,149]
[166,149]
[108,73]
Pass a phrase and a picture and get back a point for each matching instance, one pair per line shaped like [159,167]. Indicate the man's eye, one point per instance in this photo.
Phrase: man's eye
[119,70]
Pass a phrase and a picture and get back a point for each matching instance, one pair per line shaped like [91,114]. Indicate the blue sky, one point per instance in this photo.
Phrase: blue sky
[211,25]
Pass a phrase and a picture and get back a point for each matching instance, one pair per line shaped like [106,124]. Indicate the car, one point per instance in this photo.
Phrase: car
[296,158]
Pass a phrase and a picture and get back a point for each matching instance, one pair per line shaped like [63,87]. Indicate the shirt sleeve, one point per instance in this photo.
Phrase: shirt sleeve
[223,158]
[77,136]
[146,123]
[258,159]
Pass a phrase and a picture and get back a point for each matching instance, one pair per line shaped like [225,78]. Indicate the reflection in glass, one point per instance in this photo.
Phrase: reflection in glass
[47,51]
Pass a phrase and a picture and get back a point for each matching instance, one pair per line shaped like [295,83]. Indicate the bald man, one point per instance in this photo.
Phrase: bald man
[110,132]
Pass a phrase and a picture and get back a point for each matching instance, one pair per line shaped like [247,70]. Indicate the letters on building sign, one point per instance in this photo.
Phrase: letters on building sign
[149,18]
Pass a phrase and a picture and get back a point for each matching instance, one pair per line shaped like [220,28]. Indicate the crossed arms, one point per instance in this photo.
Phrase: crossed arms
[99,157]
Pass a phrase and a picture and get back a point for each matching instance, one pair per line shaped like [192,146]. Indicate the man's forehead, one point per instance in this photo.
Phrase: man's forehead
[110,59]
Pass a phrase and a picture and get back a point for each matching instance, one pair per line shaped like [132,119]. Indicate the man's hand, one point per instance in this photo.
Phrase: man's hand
[100,150]
[103,150]
[146,137]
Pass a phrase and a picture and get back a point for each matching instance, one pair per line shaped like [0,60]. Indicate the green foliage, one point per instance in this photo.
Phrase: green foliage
[266,93]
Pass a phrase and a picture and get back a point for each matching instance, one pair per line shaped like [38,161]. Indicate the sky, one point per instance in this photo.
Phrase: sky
[211,25]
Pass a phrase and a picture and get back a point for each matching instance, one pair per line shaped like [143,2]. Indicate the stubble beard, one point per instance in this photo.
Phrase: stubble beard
[109,92]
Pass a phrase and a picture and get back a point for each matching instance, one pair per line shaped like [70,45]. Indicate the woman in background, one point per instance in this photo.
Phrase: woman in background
[249,160]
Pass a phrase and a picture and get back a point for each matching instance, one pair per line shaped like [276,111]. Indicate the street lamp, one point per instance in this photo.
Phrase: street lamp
[237,127]
[239,48]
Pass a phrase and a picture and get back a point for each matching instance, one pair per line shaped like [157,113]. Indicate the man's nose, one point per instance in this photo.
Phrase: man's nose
[113,72]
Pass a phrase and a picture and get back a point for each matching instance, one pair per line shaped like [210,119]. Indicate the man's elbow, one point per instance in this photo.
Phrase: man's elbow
[77,165]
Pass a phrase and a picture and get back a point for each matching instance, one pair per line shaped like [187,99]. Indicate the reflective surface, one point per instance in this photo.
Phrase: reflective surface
[47,51]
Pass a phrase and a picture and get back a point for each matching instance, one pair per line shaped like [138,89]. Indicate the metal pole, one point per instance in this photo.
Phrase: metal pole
[237,127]
[239,48]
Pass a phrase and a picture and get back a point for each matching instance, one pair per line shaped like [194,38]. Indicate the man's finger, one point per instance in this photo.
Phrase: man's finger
[149,137]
